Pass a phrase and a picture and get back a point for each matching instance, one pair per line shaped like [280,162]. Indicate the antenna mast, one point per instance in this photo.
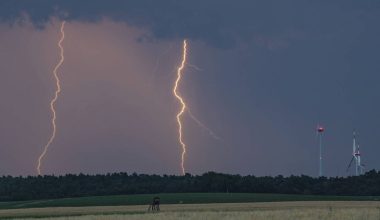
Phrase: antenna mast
[354,153]
[320,131]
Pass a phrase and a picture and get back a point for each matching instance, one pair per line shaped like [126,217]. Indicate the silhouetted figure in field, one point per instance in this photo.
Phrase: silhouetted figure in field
[155,205]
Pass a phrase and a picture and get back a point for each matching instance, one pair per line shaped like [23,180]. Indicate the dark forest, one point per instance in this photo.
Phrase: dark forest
[50,187]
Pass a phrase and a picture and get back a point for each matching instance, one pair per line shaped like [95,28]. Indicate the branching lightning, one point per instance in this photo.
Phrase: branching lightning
[183,105]
[55,98]
[194,67]
[192,116]
[210,132]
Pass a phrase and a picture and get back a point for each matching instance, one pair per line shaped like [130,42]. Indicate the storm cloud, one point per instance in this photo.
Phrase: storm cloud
[220,23]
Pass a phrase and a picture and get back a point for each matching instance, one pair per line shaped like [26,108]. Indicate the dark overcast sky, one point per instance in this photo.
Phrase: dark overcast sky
[269,72]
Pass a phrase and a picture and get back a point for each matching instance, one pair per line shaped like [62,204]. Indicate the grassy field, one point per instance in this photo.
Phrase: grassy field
[178,198]
[306,214]
[311,210]
[197,206]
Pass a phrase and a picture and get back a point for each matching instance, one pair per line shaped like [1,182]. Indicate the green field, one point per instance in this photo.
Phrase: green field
[301,210]
[177,198]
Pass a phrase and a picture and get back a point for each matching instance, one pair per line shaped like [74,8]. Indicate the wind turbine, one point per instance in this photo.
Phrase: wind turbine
[356,157]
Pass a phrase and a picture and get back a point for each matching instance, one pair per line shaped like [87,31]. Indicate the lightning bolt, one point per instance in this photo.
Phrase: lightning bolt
[183,105]
[54,100]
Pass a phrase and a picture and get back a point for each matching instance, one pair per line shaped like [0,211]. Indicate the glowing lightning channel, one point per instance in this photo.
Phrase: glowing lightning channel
[54,100]
[183,104]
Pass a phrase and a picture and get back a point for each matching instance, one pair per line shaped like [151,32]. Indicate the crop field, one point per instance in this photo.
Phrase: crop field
[197,206]
[307,210]
[177,198]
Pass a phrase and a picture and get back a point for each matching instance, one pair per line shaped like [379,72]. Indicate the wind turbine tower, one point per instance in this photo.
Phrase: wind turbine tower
[320,131]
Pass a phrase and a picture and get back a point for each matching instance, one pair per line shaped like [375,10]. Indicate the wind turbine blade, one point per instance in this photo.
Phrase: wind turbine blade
[349,165]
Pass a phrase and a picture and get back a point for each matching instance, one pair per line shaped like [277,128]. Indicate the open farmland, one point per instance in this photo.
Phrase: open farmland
[270,210]
[177,198]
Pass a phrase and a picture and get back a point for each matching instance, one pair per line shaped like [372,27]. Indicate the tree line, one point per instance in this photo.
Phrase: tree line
[51,187]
